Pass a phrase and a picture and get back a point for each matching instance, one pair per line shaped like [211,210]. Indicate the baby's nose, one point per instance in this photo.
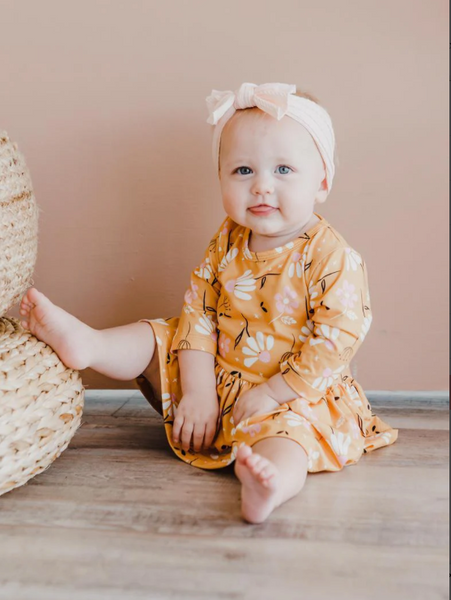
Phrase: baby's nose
[263,185]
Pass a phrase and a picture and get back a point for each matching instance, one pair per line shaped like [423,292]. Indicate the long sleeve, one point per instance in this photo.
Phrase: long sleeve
[197,328]
[340,317]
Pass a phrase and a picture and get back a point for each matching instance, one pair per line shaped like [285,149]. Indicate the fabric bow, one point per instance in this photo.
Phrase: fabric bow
[272,98]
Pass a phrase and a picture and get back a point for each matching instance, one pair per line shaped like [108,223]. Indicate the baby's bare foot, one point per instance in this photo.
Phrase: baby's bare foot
[71,339]
[259,479]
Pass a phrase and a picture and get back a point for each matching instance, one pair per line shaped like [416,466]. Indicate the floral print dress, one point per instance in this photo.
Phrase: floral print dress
[302,309]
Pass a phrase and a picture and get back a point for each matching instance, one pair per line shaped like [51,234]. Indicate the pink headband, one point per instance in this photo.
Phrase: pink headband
[278,100]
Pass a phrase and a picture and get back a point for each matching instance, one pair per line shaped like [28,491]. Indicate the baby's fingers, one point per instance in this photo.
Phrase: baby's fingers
[210,431]
[198,436]
[187,433]
[176,428]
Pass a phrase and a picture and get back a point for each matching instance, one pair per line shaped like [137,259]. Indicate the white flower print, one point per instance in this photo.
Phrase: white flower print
[259,349]
[239,287]
[188,309]
[354,395]
[206,326]
[161,321]
[297,264]
[288,320]
[232,454]
[205,270]
[353,259]
[307,410]
[355,429]
[231,255]
[328,335]
[312,457]
[312,295]
[169,404]
[191,293]
[340,445]
[366,326]
[295,420]
[246,251]
[327,378]
[347,294]
[306,331]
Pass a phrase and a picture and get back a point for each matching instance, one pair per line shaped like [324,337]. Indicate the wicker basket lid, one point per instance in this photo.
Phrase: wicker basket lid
[18,225]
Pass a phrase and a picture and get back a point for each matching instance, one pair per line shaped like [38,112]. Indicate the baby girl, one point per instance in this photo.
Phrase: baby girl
[255,371]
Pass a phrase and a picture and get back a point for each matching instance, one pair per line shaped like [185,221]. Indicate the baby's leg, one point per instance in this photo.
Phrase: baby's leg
[271,472]
[120,352]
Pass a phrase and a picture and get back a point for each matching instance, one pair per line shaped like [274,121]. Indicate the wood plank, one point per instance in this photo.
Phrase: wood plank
[119,516]
[83,564]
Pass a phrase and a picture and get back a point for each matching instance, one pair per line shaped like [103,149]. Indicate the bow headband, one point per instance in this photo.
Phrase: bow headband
[277,100]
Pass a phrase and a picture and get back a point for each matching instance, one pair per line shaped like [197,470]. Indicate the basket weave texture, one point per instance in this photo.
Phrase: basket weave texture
[41,400]
[18,225]
[41,404]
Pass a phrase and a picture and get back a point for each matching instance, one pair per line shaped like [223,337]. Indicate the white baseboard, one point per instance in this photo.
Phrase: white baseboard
[394,399]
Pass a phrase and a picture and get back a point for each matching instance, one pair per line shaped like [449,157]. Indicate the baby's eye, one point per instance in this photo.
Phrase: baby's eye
[243,171]
[283,170]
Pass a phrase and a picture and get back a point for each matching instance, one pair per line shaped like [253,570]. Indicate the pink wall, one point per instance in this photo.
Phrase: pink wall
[106,101]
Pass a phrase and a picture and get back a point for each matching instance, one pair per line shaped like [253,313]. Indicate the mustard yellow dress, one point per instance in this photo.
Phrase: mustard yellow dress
[303,310]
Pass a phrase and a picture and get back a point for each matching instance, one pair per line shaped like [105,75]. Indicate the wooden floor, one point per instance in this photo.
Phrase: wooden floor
[117,516]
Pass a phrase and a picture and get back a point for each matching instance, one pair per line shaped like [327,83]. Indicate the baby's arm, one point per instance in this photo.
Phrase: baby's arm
[338,324]
[195,343]
[197,414]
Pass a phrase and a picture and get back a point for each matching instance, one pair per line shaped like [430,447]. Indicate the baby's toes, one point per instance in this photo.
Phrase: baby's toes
[260,466]
[253,460]
[266,473]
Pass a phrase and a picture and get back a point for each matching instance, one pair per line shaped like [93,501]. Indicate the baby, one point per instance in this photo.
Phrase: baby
[255,371]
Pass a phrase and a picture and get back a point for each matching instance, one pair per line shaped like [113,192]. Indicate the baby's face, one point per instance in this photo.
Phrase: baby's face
[271,173]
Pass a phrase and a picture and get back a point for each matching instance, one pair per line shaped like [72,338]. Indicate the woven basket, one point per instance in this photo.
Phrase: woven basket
[18,225]
[41,403]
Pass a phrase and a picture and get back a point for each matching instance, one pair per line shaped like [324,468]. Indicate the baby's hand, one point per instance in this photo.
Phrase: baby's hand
[253,402]
[196,420]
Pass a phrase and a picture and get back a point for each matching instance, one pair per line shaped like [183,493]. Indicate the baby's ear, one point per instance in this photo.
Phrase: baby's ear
[322,193]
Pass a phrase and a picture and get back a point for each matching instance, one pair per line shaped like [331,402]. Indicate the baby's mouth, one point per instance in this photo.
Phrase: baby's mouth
[262,209]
